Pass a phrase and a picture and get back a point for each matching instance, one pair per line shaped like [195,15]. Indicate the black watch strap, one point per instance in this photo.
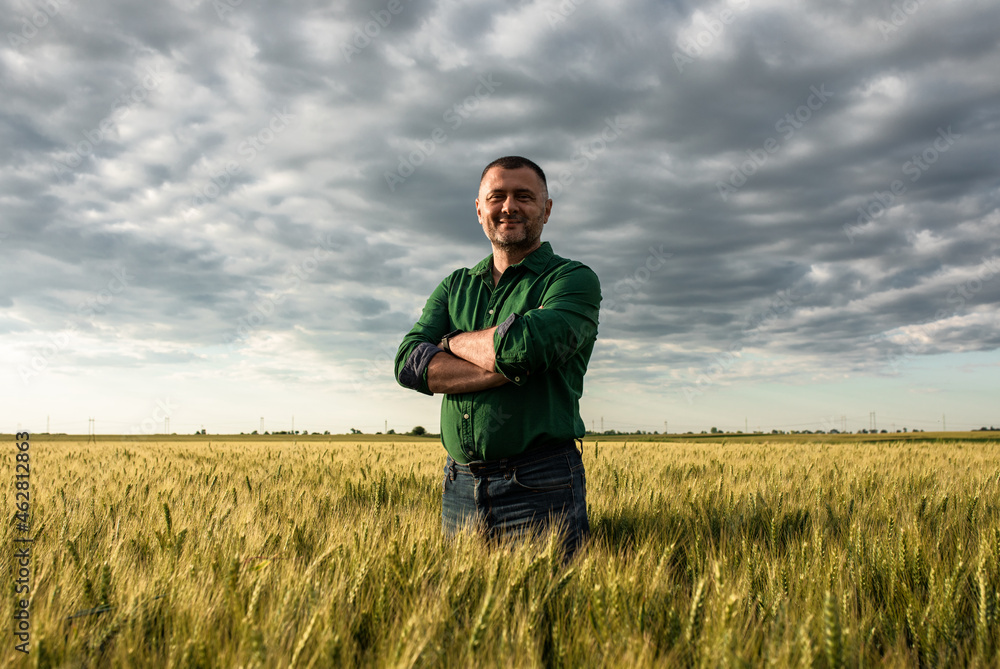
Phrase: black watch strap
[444,339]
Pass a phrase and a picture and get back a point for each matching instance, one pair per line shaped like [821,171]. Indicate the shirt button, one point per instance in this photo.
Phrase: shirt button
[465,416]
[517,378]
[491,312]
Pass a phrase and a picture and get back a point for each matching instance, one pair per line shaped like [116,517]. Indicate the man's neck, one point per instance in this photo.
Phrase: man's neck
[504,258]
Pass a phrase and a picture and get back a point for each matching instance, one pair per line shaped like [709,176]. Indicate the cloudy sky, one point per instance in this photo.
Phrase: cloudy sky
[224,211]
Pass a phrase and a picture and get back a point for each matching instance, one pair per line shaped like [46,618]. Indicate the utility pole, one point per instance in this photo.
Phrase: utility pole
[664,427]
[386,430]
[944,425]
[746,423]
[261,425]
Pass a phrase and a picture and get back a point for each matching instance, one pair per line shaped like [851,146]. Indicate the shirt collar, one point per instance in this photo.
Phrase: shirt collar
[535,261]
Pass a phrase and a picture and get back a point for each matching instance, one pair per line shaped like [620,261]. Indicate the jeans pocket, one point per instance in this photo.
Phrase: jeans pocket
[447,475]
[544,476]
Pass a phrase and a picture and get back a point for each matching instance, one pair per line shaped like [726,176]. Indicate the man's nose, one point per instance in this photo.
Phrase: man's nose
[509,205]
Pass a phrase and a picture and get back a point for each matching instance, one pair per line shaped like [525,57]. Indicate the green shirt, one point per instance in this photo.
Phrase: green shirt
[543,352]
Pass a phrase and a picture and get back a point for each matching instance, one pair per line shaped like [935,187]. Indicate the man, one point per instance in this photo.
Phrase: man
[507,343]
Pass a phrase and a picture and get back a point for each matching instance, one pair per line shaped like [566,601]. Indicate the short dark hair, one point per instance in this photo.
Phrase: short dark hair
[513,163]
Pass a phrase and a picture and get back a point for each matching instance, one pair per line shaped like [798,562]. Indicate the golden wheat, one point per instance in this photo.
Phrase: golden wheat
[230,553]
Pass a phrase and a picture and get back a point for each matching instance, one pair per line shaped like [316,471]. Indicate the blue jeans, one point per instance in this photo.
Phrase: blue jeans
[519,496]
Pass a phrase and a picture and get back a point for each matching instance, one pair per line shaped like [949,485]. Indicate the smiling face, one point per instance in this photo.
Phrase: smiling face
[513,206]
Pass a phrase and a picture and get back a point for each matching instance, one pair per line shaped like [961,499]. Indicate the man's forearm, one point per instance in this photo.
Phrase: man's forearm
[451,375]
[475,347]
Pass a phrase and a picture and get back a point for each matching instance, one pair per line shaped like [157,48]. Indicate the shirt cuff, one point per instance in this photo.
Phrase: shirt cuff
[503,328]
[414,372]
[518,378]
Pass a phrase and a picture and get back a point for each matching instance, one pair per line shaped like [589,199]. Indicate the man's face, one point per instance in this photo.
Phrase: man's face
[513,206]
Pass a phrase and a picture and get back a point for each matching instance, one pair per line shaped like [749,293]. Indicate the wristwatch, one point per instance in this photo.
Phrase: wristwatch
[445,344]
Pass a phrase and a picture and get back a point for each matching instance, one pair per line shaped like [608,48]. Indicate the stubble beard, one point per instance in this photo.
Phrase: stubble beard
[530,233]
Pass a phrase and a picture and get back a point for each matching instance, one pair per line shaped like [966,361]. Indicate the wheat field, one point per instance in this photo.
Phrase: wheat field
[231,552]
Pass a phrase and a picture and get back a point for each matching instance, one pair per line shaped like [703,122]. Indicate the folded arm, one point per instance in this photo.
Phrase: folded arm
[449,374]
[524,344]
[546,338]
[423,366]
[469,366]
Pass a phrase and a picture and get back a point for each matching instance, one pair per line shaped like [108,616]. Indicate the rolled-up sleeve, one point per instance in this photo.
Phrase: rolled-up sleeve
[541,339]
[420,344]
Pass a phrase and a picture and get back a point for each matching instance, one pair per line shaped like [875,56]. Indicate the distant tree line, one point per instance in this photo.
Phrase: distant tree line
[420,431]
